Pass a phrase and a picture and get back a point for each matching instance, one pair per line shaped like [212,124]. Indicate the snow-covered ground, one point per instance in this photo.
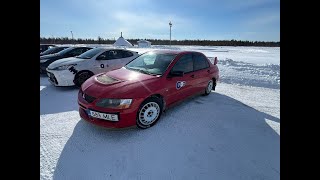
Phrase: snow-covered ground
[234,133]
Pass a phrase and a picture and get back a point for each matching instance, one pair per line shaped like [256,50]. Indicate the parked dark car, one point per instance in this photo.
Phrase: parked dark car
[53,50]
[44,47]
[69,52]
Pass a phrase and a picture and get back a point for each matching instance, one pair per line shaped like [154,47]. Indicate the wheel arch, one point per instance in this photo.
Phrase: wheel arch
[85,70]
[160,97]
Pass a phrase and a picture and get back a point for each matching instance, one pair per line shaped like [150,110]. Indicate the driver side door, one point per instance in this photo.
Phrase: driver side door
[106,61]
[179,88]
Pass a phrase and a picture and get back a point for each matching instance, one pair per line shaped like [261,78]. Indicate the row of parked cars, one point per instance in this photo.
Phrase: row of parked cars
[73,65]
[121,88]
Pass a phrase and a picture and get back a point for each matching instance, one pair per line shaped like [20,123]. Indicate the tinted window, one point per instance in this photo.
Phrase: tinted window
[112,54]
[200,62]
[185,64]
[78,51]
[54,50]
[65,51]
[57,49]
[51,50]
[89,54]
[126,54]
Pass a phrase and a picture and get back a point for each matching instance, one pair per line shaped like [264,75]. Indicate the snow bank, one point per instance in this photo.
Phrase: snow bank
[234,133]
[260,75]
[201,138]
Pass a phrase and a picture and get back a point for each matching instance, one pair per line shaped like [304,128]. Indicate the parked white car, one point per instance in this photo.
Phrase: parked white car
[76,70]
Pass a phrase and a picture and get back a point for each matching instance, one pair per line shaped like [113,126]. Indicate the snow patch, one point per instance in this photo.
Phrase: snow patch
[42,87]
[260,75]
[274,125]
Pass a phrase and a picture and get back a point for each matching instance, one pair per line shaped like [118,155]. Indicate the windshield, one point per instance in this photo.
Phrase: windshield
[151,63]
[89,54]
[53,50]
[65,51]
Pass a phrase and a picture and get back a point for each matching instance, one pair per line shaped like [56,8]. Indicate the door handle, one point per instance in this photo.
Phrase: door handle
[192,76]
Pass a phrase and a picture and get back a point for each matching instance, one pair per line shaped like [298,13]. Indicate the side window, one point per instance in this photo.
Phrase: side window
[103,56]
[185,64]
[109,55]
[117,54]
[200,62]
[127,54]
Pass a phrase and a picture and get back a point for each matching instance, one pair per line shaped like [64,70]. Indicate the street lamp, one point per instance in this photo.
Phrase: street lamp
[52,39]
[170,24]
[72,36]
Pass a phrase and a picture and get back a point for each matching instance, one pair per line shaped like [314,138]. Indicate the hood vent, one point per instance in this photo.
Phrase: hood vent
[104,79]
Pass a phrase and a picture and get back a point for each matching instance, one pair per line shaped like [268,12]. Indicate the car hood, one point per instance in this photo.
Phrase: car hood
[120,83]
[65,61]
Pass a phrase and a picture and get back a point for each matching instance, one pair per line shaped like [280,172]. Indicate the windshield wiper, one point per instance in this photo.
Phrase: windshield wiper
[139,70]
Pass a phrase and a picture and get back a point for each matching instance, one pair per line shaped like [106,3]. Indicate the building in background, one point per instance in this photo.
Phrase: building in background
[121,42]
[144,43]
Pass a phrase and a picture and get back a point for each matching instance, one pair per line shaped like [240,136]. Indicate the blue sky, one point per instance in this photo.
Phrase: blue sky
[253,20]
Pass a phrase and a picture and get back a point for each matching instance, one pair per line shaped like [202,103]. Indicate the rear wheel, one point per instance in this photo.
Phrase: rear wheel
[149,112]
[81,77]
[208,88]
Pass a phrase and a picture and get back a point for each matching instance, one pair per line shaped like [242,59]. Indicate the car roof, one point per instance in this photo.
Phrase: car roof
[47,45]
[176,52]
[111,48]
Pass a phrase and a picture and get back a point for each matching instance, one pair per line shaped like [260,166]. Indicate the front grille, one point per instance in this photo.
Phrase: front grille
[88,98]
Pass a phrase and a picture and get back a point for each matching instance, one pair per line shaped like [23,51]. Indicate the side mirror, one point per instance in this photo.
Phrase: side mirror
[176,74]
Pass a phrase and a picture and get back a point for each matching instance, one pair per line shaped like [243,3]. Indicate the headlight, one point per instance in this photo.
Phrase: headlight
[114,103]
[64,67]
[44,60]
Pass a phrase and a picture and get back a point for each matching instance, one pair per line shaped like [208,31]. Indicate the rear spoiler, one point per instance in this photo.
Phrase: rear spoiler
[213,60]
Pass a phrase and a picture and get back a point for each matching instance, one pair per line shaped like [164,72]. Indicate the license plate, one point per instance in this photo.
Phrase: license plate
[105,116]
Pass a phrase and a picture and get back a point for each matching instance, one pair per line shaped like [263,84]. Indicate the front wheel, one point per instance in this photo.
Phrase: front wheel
[82,77]
[149,112]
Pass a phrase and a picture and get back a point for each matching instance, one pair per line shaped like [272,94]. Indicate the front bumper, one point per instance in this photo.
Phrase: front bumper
[61,78]
[127,117]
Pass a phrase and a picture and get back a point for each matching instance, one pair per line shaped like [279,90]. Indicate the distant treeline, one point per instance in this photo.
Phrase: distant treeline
[99,40]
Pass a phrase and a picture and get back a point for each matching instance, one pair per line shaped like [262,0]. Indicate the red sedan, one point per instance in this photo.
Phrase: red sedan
[137,93]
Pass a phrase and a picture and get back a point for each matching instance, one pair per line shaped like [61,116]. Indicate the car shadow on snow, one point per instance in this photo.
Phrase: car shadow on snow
[201,138]
[57,99]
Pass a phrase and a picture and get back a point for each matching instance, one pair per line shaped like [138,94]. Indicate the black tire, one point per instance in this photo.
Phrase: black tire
[81,77]
[209,87]
[149,112]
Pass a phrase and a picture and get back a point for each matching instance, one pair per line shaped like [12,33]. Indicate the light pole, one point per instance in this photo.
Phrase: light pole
[52,39]
[72,36]
[170,24]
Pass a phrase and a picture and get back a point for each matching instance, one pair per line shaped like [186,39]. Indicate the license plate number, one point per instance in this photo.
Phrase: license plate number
[105,116]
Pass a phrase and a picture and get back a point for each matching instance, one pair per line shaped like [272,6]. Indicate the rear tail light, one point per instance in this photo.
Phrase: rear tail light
[215,60]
